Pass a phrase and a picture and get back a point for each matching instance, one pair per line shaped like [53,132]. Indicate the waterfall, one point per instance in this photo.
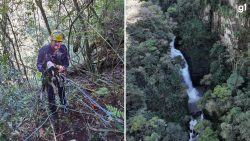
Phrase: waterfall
[193,94]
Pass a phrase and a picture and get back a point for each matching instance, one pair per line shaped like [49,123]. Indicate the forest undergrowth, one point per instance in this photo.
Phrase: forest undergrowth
[26,114]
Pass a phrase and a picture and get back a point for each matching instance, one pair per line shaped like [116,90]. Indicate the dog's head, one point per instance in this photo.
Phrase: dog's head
[51,69]
[52,74]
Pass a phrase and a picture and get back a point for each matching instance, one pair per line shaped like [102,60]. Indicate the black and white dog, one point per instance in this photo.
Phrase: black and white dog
[52,78]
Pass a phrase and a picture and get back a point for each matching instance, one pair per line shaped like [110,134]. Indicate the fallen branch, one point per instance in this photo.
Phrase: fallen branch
[62,133]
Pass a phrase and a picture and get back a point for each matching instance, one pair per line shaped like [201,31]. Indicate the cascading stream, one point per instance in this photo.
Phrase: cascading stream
[193,94]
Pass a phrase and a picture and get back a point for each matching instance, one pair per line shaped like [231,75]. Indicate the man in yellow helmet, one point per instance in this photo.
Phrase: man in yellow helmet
[52,60]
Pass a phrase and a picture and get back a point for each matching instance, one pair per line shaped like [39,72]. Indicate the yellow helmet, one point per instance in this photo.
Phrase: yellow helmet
[57,35]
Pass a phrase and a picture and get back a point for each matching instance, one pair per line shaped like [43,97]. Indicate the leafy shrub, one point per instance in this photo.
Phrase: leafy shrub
[103,91]
[234,81]
[154,128]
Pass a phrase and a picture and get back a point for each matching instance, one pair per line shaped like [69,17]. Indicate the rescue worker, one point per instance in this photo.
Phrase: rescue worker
[54,55]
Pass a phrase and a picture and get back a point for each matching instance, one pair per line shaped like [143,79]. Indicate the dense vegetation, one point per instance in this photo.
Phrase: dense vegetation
[153,80]
[221,69]
[94,37]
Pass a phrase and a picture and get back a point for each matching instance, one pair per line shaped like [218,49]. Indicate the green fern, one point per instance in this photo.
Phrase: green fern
[116,112]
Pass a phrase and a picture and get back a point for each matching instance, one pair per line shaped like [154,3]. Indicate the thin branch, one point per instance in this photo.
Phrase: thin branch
[62,133]
[51,125]
[106,42]
[72,25]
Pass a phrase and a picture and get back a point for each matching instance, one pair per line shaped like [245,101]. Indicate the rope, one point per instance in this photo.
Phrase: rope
[38,127]
[85,95]
[100,116]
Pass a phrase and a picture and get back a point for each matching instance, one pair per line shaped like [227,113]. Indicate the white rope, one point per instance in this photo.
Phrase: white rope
[39,127]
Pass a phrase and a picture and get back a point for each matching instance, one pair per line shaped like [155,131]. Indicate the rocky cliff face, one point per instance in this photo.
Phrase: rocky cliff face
[229,26]
[233,27]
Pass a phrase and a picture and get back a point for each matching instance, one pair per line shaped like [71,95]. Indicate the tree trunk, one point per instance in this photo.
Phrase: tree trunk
[86,41]
[58,14]
[39,4]
[18,51]
[3,41]
[12,43]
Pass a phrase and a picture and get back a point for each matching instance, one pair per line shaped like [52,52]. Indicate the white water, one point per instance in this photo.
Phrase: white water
[193,94]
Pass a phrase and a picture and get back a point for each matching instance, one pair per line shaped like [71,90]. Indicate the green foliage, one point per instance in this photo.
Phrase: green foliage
[226,11]
[174,132]
[227,98]
[138,123]
[205,131]
[21,20]
[227,104]
[208,135]
[153,24]
[3,136]
[154,128]
[165,83]
[221,92]
[242,99]
[4,59]
[102,91]
[188,9]
[38,75]
[116,112]
[153,78]
[135,99]
[227,131]
[196,40]
[150,72]
[235,80]
[244,125]
[17,104]
[154,137]
[150,45]
[217,102]
[196,33]
[218,67]
[172,11]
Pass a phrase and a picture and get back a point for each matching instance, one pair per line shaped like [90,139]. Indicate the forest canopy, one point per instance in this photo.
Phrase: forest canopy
[214,40]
